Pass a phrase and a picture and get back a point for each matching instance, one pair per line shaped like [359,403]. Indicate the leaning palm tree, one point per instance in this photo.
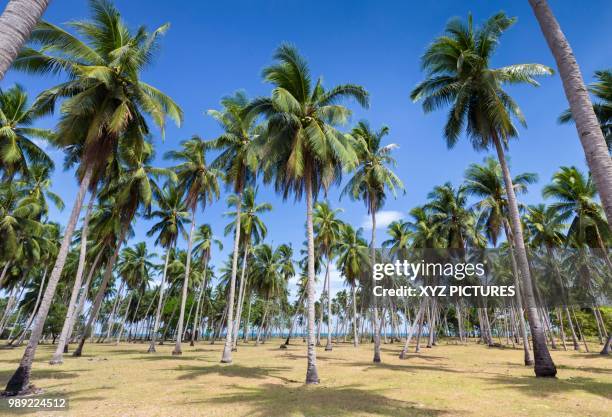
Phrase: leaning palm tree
[302,150]
[16,24]
[104,99]
[200,185]
[352,260]
[602,89]
[327,229]
[18,148]
[459,74]
[172,212]
[370,183]
[238,161]
[589,132]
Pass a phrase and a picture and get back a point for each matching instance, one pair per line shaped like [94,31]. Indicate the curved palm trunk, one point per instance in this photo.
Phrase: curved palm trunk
[196,321]
[589,131]
[227,349]
[5,269]
[111,317]
[328,346]
[544,365]
[95,309]
[58,356]
[312,376]
[21,378]
[376,327]
[607,345]
[241,289]
[417,319]
[179,335]
[160,303]
[16,24]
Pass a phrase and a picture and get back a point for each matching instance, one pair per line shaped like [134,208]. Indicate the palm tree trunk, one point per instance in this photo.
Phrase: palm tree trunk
[111,317]
[312,376]
[607,345]
[196,321]
[19,382]
[33,314]
[519,299]
[417,319]
[16,24]
[376,328]
[589,131]
[58,356]
[179,336]
[82,298]
[544,365]
[5,269]
[159,303]
[236,324]
[328,346]
[108,273]
[127,309]
[227,349]
[355,340]
[293,321]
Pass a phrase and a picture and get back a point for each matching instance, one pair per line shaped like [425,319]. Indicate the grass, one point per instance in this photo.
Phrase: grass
[448,380]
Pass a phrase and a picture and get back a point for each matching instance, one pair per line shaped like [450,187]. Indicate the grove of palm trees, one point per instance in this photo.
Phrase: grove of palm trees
[196,217]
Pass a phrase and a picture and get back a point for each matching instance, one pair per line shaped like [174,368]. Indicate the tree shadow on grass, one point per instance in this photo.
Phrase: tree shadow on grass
[590,369]
[302,357]
[233,371]
[403,367]
[273,400]
[544,387]
[55,373]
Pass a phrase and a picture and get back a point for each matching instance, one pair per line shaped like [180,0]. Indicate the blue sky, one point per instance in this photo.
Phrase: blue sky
[215,48]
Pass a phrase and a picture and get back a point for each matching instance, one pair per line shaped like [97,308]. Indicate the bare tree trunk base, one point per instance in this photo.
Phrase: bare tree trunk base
[402,355]
[328,347]
[283,346]
[312,376]
[177,352]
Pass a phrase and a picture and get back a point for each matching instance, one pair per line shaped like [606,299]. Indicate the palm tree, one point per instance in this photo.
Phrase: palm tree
[173,212]
[602,89]
[370,183]
[238,161]
[588,127]
[486,182]
[575,196]
[203,242]
[16,24]
[104,78]
[38,184]
[448,211]
[546,227]
[200,185]
[302,150]
[352,260]
[459,74]
[327,228]
[253,231]
[399,236]
[18,148]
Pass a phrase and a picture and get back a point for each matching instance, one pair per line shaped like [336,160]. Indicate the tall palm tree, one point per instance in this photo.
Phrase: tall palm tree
[459,74]
[104,99]
[18,148]
[370,182]
[588,127]
[253,232]
[602,89]
[203,243]
[452,219]
[16,24]
[200,185]
[238,161]
[172,212]
[352,260]
[486,182]
[302,150]
[327,228]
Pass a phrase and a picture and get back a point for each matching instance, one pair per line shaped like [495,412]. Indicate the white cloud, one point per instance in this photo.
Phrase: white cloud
[383,219]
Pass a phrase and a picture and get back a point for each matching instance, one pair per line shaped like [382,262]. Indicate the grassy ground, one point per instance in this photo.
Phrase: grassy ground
[448,380]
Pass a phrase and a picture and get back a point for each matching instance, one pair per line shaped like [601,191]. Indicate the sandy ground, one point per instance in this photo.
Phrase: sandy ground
[448,380]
